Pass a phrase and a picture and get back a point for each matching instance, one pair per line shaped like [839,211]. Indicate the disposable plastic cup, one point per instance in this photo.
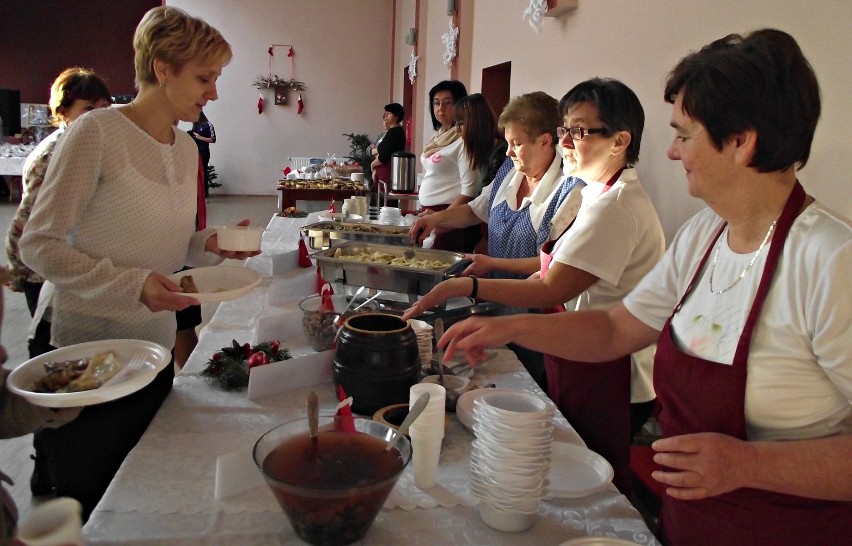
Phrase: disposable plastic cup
[426,454]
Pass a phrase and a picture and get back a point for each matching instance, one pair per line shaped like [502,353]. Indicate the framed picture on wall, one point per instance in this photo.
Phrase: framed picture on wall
[281,95]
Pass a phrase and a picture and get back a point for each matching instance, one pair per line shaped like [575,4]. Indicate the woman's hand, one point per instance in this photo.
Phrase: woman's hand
[423,227]
[475,334]
[702,465]
[212,245]
[480,265]
[159,293]
[451,288]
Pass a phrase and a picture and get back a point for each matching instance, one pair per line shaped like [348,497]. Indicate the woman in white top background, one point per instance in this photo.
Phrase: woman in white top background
[115,216]
[448,179]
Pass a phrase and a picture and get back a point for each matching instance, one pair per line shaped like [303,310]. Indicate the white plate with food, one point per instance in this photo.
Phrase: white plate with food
[576,471]
[217,283]
[133,364]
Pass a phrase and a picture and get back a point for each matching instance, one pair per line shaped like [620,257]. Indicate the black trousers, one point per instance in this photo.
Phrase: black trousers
[84,455]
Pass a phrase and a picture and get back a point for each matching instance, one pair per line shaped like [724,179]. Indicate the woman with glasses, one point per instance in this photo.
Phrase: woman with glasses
[750,309]
[448,179]
[615,239]
[521,206]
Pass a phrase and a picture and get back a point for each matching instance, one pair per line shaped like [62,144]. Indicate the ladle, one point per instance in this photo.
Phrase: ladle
[371,298]
[313,417]
[413,414]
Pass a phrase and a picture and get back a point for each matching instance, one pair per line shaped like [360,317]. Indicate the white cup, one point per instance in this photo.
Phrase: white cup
[356,177]
[426,452]
[54,523]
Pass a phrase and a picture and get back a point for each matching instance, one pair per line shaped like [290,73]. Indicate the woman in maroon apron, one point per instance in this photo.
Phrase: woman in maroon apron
[756,421]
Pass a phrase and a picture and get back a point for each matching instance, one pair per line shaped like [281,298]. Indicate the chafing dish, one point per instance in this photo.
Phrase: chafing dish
[392,278]
[322,235]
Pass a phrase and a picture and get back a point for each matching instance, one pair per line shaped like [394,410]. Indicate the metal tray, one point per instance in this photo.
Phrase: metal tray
[323,235]
[392,278]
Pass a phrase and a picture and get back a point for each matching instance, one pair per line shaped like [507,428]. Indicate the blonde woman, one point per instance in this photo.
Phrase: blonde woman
[124,182]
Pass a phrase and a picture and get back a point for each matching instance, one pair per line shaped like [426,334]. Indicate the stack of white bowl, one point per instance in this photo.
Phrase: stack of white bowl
[510,458]
[423,331]
[390,216]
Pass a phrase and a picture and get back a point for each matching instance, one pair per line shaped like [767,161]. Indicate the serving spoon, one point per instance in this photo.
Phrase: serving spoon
[313,419]
[452,396]
[413,414]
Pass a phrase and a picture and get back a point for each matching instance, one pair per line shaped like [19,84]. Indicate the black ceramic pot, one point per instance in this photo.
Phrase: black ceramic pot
[376,361]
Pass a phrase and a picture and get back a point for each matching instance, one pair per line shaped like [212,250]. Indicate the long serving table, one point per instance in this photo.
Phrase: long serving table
[164,491]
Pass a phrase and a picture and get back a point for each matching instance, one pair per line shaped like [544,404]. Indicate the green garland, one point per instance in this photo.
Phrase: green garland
[230,367]
[264,82]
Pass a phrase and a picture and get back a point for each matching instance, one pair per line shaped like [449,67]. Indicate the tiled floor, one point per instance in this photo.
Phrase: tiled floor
[15,453]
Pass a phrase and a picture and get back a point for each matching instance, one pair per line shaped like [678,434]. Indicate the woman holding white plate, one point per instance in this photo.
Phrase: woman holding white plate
[115,217]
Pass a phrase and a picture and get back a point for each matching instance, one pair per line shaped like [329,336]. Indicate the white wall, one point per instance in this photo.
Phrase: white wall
[638,42]
[342,52]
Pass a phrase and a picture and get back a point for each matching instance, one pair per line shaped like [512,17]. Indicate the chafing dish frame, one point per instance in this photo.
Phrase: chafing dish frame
[321,235]
[391,278]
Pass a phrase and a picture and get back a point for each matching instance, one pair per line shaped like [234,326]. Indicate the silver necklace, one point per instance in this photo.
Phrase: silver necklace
[744,271]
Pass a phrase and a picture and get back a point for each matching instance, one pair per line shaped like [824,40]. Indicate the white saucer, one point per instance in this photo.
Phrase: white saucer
[576,471]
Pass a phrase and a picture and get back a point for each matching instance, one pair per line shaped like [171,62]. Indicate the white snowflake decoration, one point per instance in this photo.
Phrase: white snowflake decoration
[450,40]
[535,13]
[412,67]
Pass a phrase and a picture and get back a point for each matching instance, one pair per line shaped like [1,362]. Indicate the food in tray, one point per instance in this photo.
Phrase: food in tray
[187,284]
[386,258]
[83,374]
[293,212]
[363,228]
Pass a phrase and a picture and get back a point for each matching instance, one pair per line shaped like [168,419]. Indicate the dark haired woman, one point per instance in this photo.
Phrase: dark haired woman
[392,140]
[448,179]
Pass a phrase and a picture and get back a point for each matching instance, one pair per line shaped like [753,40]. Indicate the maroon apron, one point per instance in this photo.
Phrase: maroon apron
[697,395]
[594,398]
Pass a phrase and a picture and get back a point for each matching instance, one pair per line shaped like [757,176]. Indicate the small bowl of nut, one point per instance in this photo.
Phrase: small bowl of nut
[320,323]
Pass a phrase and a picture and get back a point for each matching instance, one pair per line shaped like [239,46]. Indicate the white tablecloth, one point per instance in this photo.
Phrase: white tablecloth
[164,491]
[12,166]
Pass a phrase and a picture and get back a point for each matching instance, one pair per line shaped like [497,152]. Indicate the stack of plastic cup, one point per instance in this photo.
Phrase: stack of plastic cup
[510,458]
[427,433]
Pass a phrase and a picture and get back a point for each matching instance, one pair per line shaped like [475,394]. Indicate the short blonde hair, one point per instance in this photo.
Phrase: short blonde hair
[173,36]
[536,113]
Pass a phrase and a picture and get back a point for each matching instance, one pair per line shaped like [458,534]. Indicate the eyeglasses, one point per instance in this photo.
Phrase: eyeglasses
[578,133]
[446,102]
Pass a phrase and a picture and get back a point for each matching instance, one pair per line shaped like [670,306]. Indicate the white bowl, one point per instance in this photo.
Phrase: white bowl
[239,238]
[510,522]
[464,405]
[454,382]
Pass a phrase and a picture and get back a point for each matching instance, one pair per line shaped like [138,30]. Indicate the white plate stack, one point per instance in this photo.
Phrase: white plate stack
[510,458]
[423,331]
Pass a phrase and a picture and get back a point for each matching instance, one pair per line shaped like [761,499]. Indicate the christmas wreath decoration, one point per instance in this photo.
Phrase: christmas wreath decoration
[230,367]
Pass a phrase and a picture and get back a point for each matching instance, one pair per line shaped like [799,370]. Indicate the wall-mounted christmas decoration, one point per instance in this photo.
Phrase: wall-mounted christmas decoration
[412,67]
[450,40]
[279,86]
[535,13]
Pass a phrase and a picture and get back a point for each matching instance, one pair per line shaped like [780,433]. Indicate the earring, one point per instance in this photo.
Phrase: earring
[160,85]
